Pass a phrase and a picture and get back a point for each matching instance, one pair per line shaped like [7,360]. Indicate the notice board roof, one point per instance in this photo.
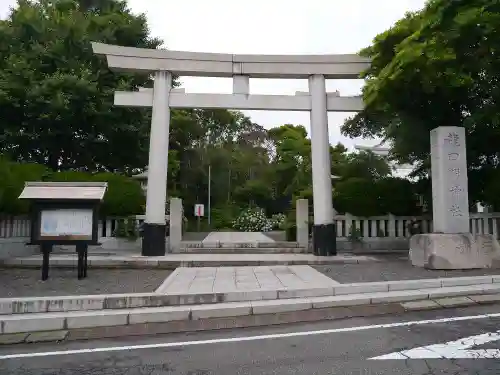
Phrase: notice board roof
[64,190]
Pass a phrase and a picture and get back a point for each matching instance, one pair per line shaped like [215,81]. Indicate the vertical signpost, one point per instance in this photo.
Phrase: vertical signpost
[199,212]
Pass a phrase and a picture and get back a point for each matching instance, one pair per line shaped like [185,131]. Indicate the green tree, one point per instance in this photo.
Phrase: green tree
[229,144]
[397,196]
[70,176]
[291,162]
[436,67]
[369,197]
[56,96]
[357,196]
[365,165]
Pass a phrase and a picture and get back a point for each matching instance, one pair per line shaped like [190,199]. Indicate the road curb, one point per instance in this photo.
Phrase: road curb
[220,323]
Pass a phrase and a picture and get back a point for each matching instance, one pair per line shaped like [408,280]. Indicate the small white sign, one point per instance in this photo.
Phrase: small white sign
[66,222]
[199,210]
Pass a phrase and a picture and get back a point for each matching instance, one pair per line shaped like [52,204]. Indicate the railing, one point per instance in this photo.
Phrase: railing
[376,226]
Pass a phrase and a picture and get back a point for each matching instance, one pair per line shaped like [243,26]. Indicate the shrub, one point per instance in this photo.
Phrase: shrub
[277,221]
[252,220]
[223,216]
[124,196]
[127,228]
[12,181]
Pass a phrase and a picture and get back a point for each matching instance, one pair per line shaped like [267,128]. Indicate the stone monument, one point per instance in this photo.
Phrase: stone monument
[451,245]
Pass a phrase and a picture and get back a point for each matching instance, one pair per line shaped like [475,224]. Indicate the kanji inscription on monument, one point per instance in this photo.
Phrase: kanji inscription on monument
[449,180]
[453,139]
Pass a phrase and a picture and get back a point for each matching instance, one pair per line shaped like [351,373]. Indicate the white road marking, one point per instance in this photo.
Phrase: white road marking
[248,338]
[458,349]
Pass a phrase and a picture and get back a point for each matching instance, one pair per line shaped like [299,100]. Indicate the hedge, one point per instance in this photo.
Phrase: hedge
[124,195]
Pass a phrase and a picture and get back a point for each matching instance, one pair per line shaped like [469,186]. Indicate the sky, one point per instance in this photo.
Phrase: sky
[271,27]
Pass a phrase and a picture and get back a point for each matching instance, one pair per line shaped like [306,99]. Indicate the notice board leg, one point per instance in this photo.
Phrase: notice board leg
[45,249]
[81,250]
[79,266]
[85,261]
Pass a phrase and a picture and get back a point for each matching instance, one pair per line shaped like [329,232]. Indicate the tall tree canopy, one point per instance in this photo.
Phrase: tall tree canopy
[59,123]
[437,67]
[56,96]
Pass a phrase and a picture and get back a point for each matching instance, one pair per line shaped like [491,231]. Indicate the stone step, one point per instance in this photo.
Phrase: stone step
[242,250]
[172,261]
[238,245]
[425,288]
[76,325]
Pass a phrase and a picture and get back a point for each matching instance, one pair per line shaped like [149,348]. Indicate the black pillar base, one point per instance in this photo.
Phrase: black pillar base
[324,239]
[153,240]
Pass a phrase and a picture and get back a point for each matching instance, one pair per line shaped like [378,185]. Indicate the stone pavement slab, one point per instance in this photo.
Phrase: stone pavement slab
[214,237]
[199,280]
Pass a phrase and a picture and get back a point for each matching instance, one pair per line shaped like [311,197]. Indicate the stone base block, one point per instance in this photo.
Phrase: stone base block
[441,251]
[324,239]
[154,240]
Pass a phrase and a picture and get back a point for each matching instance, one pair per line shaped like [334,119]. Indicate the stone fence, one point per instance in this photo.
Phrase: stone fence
[11,227]
[387,226]
[396,226]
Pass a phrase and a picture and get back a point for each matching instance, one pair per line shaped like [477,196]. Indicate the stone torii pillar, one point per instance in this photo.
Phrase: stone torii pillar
[324,236]
[153,241]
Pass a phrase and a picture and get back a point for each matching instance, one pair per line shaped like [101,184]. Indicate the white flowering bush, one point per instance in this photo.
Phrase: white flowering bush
[252,220]
[277,221]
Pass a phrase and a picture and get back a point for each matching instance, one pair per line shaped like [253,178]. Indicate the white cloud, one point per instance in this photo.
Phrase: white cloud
[271,27]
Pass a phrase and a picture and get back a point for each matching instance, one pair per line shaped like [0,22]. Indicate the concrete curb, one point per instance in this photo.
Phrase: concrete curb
[453,286]
[175,260]
[147,321]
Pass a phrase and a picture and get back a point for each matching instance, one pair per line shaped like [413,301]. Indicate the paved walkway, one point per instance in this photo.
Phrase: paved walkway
[392,269]
[199,280]
[63,282]
[237,237]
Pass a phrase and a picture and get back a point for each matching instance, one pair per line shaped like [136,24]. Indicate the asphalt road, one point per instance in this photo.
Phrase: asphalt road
[340,347]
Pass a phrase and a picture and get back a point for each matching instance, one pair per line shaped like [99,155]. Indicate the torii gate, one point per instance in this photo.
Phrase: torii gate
[164,63]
